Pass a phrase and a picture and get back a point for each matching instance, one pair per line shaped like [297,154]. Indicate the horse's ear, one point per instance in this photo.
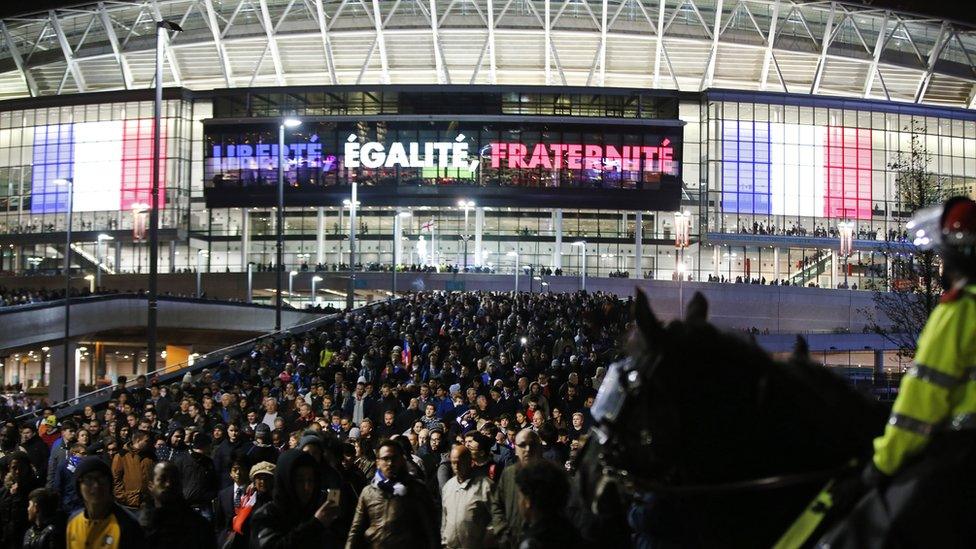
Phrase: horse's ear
[801,350]
[697,310]
[647,323]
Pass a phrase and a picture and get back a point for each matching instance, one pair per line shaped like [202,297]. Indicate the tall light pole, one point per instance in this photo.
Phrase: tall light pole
[162,27]
[396,244]
[315,279]
[70,186]
[98,252]
[682,237]
[280,220]
[350,291]
[291,278]
[582,247]
[200,255]
[516,256]
[466,205]
[846,231]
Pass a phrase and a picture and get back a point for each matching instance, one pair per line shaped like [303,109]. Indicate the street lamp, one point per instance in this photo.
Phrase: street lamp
[291,277]
[162,27]
[682,237]
[315,279]
[582,246]
[98,252]
[846,231]
[466,205]
[280,221]
[516,256]
[69,184]
[200,255]
[396,245]
[352,204]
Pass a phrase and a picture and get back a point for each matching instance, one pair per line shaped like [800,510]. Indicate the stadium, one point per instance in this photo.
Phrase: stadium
[579,144]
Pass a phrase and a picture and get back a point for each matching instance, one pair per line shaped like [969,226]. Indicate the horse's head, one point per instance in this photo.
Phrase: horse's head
[694,406]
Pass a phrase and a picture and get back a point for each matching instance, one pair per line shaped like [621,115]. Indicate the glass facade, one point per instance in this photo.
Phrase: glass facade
[766,181]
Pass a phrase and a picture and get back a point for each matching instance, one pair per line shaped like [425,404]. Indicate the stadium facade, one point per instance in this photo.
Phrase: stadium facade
[546,127]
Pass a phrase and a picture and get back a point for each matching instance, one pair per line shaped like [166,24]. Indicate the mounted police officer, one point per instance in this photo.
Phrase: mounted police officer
[923,472]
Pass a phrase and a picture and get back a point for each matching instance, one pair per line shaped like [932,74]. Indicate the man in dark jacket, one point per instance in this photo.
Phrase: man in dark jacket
[47,528]
[197,476]
[545,489]
[168,521]
[13,500]
[37,450]
[233,445]
[262,450]
[297,515]
[229,498]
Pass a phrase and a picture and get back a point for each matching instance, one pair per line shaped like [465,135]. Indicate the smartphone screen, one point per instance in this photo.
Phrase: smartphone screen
[333,496]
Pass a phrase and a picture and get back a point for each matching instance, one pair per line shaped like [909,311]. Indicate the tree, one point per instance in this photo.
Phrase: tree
[912,284]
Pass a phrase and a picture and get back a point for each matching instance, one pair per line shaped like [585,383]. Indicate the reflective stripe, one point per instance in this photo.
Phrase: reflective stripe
[933,376]
[909,423]
[963,422]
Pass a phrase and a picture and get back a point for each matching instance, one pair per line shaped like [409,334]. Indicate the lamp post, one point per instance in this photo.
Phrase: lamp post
[846,231]
[200,255]
[582,246]
[280,219]
[161,28]
[315,279]
[682,234]
[98,252]
[70,186]
[291,278]
[466,205]
[396,244]
[516,256]
[350,291]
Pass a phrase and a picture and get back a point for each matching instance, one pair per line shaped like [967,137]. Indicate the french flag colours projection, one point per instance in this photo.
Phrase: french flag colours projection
[772,168]
[110,164]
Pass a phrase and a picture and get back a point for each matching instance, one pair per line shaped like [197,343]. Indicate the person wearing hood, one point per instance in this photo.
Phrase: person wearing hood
[197,476]
[262,450]
[298,515]
[168,521]
[101,523]
[325,453]
[132,470]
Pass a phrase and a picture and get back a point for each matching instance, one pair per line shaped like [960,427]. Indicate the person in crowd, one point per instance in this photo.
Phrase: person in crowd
[297,515]
[131,471]
[465,504]
[262,449]
[544,488]
[507,519]
[102,523]
[47,528]
[64,480]
[167,520]
[394,510]
[229,498]
[37,451]
[173,447]
[17,485]
[258,493]
[60,449]
[198,477]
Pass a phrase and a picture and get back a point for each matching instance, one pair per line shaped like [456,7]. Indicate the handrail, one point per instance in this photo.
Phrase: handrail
[68,407]
[78,300]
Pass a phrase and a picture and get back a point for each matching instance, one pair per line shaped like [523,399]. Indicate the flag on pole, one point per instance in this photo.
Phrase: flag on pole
[406,355]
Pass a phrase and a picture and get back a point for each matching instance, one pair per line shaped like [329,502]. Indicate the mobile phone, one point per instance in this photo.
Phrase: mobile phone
[333,496]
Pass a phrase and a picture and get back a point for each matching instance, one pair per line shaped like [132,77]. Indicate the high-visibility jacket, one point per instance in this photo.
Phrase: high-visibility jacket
[939,390]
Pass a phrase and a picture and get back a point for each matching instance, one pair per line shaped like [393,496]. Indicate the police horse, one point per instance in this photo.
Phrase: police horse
[724,446]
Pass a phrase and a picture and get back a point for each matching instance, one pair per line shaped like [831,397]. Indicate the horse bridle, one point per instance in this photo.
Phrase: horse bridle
[623,380]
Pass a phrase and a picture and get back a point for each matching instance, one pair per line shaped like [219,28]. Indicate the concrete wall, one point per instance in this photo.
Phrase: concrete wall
[44,324]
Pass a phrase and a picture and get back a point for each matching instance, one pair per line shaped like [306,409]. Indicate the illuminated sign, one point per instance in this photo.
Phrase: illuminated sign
[572,156]
[436,154]
[108,162]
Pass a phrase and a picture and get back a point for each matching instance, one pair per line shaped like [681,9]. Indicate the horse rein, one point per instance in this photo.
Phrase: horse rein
[759,484]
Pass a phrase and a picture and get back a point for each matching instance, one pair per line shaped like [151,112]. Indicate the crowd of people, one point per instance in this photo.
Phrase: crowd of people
[862,232]
[24,296]
[438,420]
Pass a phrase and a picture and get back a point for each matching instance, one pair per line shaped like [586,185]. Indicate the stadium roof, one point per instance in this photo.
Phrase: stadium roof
[827,48]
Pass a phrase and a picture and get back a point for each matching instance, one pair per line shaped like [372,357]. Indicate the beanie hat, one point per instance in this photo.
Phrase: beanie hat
[91,464]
